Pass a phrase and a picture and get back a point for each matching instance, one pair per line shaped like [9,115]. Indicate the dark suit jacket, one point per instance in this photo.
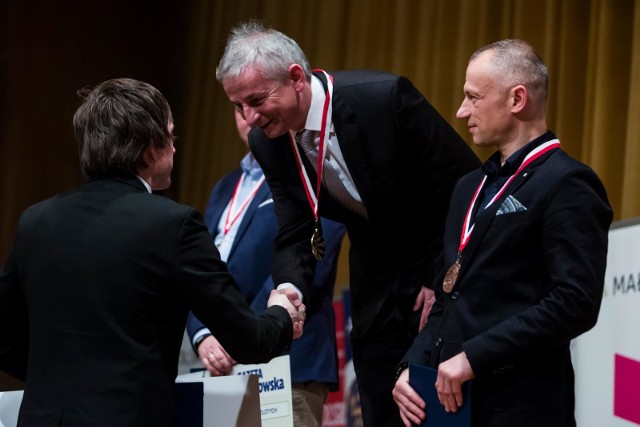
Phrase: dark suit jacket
[403,156]
[103,277]
[530,281]
[313,356]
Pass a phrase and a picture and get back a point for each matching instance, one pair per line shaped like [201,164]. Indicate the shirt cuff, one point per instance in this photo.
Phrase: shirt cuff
[199,336]
[292,286]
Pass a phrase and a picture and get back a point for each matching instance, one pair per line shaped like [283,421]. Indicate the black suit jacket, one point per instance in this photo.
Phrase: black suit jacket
[404,158]
[531,280]
[102,279]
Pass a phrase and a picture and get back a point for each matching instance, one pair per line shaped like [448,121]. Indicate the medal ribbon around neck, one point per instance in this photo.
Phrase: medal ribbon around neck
[233,217]
[451,277]
[467,227]
[312,196]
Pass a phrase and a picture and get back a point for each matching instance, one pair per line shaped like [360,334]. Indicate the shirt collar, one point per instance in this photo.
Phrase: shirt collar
[314,117]
[146,185]
[492,166]
[250,167]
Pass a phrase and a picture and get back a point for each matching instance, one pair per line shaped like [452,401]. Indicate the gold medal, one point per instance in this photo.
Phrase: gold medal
[451,277]
[317,242]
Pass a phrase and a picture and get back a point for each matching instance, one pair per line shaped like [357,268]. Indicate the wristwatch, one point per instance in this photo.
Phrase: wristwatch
[198,340]
[401,367]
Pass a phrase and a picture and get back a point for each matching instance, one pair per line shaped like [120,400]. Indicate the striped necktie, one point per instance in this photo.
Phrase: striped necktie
[330,176]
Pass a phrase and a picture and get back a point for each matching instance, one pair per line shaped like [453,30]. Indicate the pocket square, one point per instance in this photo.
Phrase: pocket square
[266,202]
[511,205]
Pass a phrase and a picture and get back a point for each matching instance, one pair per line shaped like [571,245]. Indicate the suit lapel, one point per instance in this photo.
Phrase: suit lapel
[225,195]
[484,218]
[346,129]
[261,196]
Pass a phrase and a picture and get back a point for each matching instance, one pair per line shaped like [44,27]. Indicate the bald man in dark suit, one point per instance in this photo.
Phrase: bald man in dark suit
[525,251]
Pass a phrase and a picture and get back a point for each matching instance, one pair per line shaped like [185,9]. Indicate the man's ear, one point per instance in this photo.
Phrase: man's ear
[518,98]
[297,76]
[149,155]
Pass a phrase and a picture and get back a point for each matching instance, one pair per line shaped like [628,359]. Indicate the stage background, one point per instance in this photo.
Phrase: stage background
[49,50]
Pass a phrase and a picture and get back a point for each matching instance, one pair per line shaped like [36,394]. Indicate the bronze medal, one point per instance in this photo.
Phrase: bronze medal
[451,277]
[317,243]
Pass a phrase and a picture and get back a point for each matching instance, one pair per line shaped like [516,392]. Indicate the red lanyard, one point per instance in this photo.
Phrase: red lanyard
[232,217]
[324,137]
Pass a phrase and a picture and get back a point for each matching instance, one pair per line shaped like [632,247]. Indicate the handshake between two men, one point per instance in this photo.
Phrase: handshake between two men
[290,300]
[216,359]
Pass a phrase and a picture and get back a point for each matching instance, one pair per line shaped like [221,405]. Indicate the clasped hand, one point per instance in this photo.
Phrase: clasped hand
[452,373]
[290,300]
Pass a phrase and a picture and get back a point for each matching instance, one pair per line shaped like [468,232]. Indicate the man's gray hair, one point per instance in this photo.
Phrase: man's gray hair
[265,49]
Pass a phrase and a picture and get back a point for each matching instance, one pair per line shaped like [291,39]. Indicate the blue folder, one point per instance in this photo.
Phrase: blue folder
[422,379]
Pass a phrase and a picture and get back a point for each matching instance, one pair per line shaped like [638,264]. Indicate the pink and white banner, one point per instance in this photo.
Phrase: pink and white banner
[607,358]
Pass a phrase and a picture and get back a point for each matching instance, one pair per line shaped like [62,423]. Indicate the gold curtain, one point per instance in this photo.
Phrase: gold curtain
[592,49]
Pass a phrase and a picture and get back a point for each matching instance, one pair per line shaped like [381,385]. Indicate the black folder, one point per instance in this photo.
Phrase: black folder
[422,379]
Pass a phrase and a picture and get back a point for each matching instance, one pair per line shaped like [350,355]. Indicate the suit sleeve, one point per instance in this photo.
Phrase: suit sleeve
[293,261]
[216,300]
[440,157]
[193,327]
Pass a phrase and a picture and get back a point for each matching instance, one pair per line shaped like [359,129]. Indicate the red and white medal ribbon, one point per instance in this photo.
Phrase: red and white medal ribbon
[312,196]
[467,227]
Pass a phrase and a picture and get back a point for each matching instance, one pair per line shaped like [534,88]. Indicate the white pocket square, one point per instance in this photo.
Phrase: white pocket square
[266,202]
[511,205]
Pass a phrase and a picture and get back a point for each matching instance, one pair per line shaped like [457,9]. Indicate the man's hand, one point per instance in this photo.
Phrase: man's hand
[425,300]
[290,300]
[452,373]
[411,405]
[214,357]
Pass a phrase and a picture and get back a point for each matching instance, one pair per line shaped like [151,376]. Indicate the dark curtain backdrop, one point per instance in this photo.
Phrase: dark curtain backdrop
[51,49]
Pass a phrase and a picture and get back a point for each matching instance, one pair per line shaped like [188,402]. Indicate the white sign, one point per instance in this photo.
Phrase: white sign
[228,401]
[607,358]
[9,407]
[274,384]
